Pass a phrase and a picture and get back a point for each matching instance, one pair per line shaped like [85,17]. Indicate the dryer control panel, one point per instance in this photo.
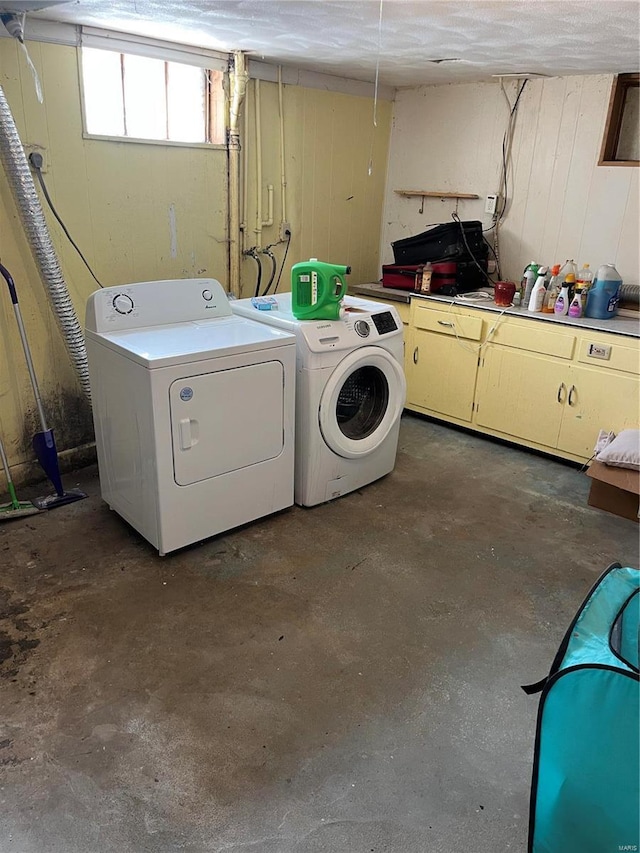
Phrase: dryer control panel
[155,303]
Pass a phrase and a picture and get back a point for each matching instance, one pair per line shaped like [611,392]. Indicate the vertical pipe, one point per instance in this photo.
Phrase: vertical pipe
[245,173]
[238,89]
[283,178]
[258,228]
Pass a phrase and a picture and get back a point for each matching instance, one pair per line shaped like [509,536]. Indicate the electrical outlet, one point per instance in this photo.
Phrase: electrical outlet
[285,230]
[491,204]
[42,151]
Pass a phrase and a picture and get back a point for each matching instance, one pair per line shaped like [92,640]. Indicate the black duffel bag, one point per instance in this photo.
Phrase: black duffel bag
[443,242]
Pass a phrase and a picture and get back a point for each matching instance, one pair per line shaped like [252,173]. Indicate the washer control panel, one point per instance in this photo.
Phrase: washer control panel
[156,303]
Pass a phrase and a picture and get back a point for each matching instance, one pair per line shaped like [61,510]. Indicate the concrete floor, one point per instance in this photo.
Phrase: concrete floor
[338,679]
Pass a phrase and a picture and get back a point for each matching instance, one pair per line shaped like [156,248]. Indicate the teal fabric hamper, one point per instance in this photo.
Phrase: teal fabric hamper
[585,792]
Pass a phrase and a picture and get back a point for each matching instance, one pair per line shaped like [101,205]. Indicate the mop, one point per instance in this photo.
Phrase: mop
[15,509]
[44,444]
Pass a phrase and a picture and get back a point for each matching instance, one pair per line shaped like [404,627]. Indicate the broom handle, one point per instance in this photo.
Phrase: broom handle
[4,272]
[5,462]
[30,368]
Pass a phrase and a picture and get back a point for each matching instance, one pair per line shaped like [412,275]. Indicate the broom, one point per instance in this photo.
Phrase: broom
[15,509]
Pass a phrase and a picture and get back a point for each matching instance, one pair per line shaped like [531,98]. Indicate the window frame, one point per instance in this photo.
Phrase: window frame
[209,113]
[621,84]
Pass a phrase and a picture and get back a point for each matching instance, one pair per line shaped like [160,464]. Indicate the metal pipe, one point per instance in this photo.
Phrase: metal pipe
[238,80]
[245,171]
[25,195]
[258,228]
[268,222]
[283,178]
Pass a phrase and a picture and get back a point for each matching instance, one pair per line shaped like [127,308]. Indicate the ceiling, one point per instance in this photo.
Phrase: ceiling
[345,37]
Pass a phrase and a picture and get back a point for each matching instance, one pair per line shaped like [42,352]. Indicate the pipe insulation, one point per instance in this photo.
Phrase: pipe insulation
[25,195]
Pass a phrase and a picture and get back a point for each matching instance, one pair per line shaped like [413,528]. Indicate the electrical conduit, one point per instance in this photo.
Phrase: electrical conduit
[26,198]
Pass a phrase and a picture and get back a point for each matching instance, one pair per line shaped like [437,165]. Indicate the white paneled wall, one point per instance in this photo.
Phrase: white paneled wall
[561,203]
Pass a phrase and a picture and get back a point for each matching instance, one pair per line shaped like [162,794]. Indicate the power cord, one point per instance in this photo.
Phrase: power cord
[37,161]
[284,258]
[457,219]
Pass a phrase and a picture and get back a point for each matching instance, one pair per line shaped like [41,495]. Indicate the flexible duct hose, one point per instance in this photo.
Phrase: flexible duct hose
[27,201]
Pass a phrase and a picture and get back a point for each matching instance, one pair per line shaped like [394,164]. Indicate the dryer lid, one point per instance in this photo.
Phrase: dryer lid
[199,340]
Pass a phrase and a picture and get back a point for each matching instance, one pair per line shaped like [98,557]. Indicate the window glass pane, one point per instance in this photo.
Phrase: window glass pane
[144,97]
[186,102]
[102,80]
[629,139]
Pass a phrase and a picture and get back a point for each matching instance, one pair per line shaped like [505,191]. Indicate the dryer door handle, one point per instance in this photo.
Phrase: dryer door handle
[188,433]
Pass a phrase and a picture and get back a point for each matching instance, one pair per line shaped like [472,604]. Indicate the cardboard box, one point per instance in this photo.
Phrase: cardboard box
[615,490]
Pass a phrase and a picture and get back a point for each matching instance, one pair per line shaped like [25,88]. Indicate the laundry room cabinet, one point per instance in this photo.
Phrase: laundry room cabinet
[542,384]
[441,361]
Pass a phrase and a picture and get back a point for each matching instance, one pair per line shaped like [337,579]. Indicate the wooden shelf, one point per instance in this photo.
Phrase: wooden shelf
[431,194]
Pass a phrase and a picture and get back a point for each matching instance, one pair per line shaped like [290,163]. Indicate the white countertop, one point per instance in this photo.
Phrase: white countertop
[622,324]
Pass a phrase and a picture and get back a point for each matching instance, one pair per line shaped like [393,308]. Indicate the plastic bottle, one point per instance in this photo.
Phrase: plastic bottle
[602,298]
[425,278]
[575,309]
[584,280]
[528,281]
[561,308]
[537,294]
[568,267]
[552,291]
[584,277]
[317,289]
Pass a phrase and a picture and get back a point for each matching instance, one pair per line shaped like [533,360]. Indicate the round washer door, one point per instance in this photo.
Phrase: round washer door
[361,402]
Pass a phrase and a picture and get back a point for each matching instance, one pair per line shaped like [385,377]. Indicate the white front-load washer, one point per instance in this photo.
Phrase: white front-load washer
[193,410]
[350,393]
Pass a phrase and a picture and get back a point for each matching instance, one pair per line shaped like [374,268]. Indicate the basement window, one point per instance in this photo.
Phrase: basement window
[142,98]
[621,144]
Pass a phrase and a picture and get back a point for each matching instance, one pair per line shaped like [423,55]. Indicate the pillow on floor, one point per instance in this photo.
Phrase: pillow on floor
[623,451]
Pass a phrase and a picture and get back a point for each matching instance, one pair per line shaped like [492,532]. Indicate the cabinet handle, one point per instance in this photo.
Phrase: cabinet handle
[561,389]
[415,355]
[571,392]
[444,323]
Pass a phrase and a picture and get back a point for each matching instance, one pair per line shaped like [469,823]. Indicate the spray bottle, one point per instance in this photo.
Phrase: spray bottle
[561,308]
[538,293]
[528,281]
[552,291]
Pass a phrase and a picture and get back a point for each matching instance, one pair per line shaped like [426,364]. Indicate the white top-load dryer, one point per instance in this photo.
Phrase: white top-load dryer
[193,410]
[350,393]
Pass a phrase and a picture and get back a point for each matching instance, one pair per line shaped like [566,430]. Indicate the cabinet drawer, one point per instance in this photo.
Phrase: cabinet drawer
[609,354]
[534,339]
[449,324]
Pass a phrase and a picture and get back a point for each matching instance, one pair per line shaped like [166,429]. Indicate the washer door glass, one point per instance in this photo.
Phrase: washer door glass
[361,402]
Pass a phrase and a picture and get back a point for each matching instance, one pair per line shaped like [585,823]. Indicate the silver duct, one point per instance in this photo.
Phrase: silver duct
[24,192]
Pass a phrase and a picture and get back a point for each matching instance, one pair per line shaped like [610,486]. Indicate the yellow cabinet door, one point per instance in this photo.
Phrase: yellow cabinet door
[597,399]
[441,373]
[521,394]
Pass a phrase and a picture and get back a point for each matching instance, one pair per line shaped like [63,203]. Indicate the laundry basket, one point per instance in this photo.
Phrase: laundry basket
[585,791]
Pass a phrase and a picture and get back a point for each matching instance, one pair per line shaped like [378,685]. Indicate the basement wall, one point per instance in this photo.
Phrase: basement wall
[561,203]
[119,200]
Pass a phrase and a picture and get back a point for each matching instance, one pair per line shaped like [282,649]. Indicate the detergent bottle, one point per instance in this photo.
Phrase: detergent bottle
[317,290]
[602,298]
